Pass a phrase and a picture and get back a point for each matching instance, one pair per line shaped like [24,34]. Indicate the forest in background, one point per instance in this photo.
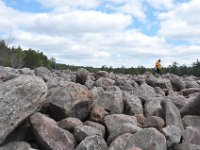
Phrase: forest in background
[19,58]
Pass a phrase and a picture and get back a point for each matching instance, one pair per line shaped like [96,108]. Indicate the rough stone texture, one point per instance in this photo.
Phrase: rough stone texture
[146,139]
[154,121]
[81,76]
[140,118]
[92,143]
[26,71]
[191,84]
[120,143]
[172,114]
[16,146]
[7,73]
[134,148]
[177,84]
[89,81]
[81,132]
[124,85]
[153,107]
[187,146]
[132,104]
[104,82]
[111,100]
[47,132]
[179,100]
[19,98]
[159,91]
[192,107]
[119,124]
[70,123]
[146,92]
[156,82]
[193,121]
[98,114]
[187,92]
[44,73]
[98,126]
[172,134]
[191,135]
[71,100]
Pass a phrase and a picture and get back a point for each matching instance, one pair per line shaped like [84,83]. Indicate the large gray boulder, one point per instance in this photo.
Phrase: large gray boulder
[177,84]
[145,92]
[49,135]
[146,139]
[192,107]
[119,124]
[16,146]
[104,82]
[94,142]
[7,73]
[187,146]
[191,135]
[132,104]
[44,73]
[19,98]
[111,99]
[172,114]
[69,100]
[193,121]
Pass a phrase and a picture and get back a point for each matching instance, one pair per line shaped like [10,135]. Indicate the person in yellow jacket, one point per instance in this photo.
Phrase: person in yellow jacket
[158,66]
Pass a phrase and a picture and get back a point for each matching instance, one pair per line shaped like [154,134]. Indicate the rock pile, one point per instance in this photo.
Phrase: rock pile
[45,109]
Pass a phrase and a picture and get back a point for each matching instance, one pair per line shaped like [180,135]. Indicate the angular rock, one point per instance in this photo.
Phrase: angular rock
[124,84]
[153,107]
[191,84]
[103,74]
[98,126]
[173,135]
[93,143]
[98,114]
[119,124]
[44,73]
[145,92]
[192,107]
[47,132]
[104,82]
[179,100]
[187,92]
[7,73]
[159,91]
[191,135]
[154,121]
[132,104]
[81,76]
[19,98]
[89,81]
[71,100]
[193,121]
[177,84]
[81,132]
[187,146]
[16,146]
[172,114]
[70,123]
[111,100]
[156,82]
[26,71]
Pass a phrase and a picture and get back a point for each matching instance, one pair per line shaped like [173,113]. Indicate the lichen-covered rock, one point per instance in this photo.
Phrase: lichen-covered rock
[19,98]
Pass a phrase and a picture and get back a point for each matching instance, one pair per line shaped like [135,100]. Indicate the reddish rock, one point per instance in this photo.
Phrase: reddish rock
[98,114]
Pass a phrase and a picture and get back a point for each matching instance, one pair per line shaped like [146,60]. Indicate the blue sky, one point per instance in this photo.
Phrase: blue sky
[105,32]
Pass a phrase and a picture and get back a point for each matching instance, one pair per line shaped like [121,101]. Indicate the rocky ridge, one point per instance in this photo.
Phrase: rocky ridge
[45,109]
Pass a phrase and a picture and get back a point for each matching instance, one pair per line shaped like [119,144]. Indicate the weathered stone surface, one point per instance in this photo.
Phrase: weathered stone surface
[179,100]
[101,74]
[71,100]
[119,124]
[153,107]
[187,146]
[19,98]
[81,76]
[132,104]
[145,92]
[156,82]
[177,84]
[7,73]
[172,134]
[89,81]
[193,121]
[159,91]
[172,114]
[98,126]
[81,132]
[16,146]
[70,123]
[154,121]
[140,118]
[124,85]
[44,73]
[98,114]
[187,92]
[26,71]
[134,148]
[92,143]
[191,84]
[47,132]
[111,100]
[146,139]
[191,135]
[192,107]
[104,82]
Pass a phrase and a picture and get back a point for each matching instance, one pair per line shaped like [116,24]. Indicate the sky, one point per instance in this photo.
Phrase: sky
[114,33]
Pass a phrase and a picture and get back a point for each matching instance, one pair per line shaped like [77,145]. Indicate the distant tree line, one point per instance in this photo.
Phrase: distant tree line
[19,58]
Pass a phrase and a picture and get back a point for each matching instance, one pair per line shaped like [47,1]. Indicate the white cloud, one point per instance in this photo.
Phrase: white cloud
[182,23]
[160,4]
